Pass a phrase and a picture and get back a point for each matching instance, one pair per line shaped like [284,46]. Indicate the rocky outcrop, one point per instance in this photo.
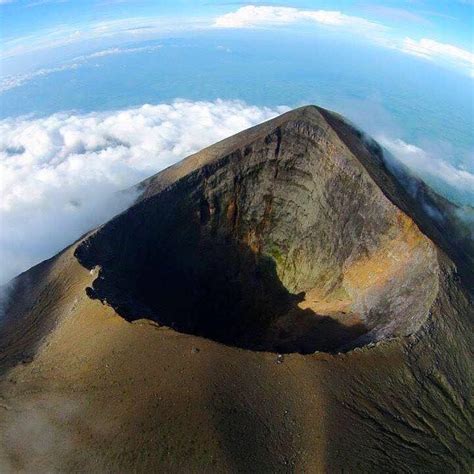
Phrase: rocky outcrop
[295,237]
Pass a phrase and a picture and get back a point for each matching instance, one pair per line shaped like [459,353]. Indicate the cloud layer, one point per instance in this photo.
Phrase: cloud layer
[60,174]
[455,183]
[109,33]
[10,82]
[434,50]
[252,16]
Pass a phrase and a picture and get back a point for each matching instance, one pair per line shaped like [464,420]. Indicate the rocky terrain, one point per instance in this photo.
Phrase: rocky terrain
[286,300]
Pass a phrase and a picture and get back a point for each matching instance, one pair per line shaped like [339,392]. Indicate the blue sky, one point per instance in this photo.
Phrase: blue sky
[96,95]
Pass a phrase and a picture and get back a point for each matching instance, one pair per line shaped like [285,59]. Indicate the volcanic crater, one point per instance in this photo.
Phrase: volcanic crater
[285,244]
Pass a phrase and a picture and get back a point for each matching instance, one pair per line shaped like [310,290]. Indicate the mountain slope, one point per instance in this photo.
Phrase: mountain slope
[276,302]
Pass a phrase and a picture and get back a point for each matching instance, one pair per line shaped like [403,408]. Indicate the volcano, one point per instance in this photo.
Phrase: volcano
[288,299]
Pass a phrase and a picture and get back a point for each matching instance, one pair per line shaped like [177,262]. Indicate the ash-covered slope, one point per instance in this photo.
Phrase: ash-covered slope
[294,237]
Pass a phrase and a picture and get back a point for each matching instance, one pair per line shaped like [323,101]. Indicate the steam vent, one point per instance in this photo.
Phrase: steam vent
[282,301]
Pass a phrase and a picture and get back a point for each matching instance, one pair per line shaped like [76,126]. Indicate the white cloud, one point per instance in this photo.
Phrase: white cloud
[60,174]
[109,33]
[10,82]
[114,51]
[253,16]
[37,3]
[433,50]
[455,183]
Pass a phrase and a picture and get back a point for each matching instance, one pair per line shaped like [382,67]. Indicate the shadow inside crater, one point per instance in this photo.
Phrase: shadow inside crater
[181,268]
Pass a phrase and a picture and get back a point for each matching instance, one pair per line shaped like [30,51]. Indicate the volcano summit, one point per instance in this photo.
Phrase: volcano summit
[285,300]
